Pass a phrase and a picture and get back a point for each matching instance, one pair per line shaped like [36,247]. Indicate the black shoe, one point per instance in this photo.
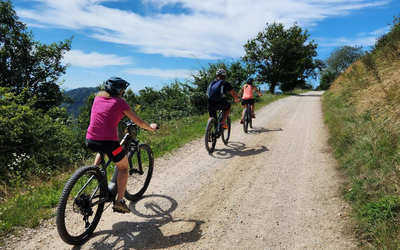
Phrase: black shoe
[121,207]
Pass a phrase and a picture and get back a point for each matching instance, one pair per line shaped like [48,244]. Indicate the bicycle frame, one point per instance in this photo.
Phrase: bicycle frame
[130,143]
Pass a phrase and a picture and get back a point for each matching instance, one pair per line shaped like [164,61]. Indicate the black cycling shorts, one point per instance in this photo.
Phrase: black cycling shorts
[112,149]
[214,106]
[248,101]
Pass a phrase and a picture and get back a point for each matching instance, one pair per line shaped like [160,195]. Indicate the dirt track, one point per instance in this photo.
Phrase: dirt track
[274,188]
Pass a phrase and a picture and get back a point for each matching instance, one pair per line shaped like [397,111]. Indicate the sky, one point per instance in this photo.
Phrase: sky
[152,43]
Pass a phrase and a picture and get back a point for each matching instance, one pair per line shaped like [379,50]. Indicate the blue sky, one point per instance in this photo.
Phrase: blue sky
[153,42]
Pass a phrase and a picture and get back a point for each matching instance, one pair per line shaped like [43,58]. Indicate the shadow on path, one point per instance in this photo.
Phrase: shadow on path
[238,149]
[149,234]
[259,130]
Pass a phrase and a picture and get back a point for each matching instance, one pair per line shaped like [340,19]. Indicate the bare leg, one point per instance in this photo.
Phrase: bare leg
[226,113]
[243,112]
[122,177]
[97,159]
[252,109]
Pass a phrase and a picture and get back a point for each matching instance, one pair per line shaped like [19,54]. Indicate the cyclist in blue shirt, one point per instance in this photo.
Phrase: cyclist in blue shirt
[217,92]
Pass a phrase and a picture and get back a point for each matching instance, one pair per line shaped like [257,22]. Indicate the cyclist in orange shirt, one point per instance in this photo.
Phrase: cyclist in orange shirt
[248,97]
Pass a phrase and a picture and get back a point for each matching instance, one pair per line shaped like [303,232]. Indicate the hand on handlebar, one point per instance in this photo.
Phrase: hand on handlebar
[154,126]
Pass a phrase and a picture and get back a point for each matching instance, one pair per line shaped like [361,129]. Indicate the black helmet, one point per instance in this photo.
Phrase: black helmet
[114,85]
[250,81]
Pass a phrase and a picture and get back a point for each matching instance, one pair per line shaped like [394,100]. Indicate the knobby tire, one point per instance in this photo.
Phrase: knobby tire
[246,120]
[227,132]
[141,165]
[68,211]
[210,135]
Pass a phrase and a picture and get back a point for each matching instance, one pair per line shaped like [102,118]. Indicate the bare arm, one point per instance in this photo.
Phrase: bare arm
[133,117]
[258,92]
[234,95]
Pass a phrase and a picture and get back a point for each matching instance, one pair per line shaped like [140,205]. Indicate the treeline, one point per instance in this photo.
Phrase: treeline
[38,136]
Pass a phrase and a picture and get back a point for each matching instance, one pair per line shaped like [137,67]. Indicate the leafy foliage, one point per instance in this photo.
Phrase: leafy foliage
[36,135]
[33,142]
[282,56]
[341,58]
[27,65]
[338,61]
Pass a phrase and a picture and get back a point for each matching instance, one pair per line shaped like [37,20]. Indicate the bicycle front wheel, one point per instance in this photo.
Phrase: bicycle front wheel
[141,165]
[80,206]
[211,135]
[227,132]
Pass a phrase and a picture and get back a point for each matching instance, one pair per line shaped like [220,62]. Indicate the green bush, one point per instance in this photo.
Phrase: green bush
[33,142]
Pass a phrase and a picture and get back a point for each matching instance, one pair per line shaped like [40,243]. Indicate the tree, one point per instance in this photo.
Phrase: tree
[341,58]
[282,56]
[237,73]
[327,77]
[28,64]
[338,61]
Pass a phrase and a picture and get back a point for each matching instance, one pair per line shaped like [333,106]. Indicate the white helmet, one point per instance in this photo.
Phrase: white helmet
[221,72]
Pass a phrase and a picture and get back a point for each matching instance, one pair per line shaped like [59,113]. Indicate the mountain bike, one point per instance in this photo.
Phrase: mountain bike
[87,191]
[247,119]
[214,130]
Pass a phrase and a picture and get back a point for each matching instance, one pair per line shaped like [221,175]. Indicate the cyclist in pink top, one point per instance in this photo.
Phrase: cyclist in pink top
[102,135]
[248,97]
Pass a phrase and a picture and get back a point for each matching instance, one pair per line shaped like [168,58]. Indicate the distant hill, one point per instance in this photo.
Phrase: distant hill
[79,97]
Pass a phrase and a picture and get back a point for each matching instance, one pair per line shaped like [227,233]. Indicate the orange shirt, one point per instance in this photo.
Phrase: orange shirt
[248,92]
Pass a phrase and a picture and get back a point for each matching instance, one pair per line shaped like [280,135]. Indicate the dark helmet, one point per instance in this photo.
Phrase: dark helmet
[114,85]
[250,81]
[221,72]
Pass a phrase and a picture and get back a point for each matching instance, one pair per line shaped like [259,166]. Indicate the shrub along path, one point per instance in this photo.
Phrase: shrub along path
[274,188]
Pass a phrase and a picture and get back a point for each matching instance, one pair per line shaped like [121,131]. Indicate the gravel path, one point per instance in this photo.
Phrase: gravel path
[274,188]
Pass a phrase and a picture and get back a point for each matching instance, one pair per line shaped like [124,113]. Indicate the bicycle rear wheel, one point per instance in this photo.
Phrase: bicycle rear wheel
[141,165]
[211,135]
[226,133]
[250,120]
[246,120]
[80,206]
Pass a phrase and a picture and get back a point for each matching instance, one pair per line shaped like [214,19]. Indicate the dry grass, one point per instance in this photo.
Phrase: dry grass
[381,98]
[362,109]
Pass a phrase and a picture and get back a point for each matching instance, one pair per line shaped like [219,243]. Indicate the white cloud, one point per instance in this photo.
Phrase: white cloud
[211,29]
[161,73]
[94,59]
[364,39]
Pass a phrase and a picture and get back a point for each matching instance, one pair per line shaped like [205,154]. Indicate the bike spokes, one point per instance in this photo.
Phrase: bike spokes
[80,207]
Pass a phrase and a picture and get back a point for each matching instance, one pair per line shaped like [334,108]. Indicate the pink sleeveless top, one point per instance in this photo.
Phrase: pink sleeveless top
[247,92]
[104,118]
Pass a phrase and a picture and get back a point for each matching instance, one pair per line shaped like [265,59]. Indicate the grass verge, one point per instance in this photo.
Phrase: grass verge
[37,202]
[368,151]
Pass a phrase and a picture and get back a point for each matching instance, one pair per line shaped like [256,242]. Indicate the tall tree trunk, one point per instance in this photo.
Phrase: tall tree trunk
[272,88]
